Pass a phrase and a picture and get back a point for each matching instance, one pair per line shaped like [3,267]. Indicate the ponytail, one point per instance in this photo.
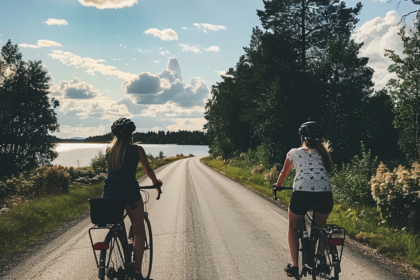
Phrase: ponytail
[323,147]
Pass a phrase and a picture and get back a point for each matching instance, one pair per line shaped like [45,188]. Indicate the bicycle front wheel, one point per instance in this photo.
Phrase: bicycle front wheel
[116,257]
[326,263]
[146,265]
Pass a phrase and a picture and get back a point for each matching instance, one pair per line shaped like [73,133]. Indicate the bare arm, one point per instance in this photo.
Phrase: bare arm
[288,165]
[146,166]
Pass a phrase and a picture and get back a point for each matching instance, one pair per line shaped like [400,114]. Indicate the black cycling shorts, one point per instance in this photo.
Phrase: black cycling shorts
[302,202]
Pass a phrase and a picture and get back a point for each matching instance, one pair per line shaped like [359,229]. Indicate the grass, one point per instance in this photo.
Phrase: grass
[362,223]
[28,221]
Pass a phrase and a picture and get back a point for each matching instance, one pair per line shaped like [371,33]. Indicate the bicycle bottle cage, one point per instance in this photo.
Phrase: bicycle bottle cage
[104,211]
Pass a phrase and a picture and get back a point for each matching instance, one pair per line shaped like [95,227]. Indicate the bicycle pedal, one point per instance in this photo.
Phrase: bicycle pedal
[130,268]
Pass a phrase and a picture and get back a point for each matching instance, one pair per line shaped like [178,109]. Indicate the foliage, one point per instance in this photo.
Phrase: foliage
[397,195]
[161,155]
[351,184]
[405,90]
[272,175]
[26,114]
[99,163]
[290,73]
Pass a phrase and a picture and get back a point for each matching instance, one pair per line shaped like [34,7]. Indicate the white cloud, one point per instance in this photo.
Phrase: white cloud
[41,44]
[134,59]
[167,86]
[108,4]
[165,53]
[165,34]
[144,51]
[221,73]
[77,89]
[188,48]
[208,26]
[114,59]
[93,65]
[184,28]
[187,124]
[156,61]
[53,21]
[213,49]
[379,34]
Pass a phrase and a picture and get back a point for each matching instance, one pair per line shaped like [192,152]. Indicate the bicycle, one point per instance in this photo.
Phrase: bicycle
[109,213]
[320,255]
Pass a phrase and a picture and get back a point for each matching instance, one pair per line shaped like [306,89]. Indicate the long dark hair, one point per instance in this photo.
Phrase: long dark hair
[116,152]
[323,147]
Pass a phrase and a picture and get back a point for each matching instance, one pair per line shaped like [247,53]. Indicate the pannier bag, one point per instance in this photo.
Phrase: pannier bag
[104,211]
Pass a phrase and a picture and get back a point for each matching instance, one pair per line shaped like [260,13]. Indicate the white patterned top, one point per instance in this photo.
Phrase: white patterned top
[311,175]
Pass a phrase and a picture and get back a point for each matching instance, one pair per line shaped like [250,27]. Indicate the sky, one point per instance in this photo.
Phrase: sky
[155,61]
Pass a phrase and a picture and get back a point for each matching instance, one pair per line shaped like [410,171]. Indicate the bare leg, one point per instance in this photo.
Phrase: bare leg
[292,235]
[137,222]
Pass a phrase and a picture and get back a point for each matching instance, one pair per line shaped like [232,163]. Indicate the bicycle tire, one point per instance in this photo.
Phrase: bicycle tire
[146,266]
[324,267]
[115,257]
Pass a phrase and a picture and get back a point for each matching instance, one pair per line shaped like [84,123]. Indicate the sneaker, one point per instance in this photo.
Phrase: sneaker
[292,271]
[137,276]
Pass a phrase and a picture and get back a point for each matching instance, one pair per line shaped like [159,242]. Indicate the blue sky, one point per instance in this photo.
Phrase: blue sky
[110,58]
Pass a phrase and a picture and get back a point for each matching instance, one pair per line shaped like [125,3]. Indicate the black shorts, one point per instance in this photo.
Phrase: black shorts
[302,202]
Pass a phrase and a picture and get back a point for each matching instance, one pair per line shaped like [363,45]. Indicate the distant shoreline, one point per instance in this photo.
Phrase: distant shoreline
[69,141]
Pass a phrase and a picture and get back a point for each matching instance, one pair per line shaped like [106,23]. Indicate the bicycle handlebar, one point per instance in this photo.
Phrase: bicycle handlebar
[279,189]
[156,186]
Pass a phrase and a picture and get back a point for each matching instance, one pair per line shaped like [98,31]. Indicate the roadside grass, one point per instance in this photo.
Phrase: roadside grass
[362,223]
[29,221]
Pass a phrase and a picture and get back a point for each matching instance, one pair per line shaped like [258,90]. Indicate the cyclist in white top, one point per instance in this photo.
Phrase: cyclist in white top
[311,186]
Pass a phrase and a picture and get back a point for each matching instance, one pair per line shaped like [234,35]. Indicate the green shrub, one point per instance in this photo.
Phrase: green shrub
[272,176]
[258,169]
[397,195]
[351,184]
[99,163]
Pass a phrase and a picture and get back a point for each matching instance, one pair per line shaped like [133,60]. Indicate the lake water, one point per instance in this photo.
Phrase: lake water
[75,154]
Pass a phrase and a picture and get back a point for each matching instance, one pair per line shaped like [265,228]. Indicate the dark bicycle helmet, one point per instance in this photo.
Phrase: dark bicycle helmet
[123,126]
[311,131]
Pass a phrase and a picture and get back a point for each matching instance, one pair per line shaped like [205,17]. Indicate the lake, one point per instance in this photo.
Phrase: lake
[80,154]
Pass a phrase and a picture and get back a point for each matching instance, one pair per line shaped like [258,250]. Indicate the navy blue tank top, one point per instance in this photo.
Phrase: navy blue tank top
[122,184]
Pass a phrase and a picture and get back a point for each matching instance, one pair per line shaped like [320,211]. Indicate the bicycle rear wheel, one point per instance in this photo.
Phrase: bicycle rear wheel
[116,257]
[326,263]
[146,265]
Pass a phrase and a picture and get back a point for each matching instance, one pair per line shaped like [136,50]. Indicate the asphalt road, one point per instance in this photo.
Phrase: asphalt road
[205,226]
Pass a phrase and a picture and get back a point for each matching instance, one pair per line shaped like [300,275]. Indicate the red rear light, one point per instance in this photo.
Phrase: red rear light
[336,242]
[101,246]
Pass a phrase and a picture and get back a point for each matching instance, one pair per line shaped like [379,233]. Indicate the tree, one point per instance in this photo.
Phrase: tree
[26,113]
[405,90]
[308,24]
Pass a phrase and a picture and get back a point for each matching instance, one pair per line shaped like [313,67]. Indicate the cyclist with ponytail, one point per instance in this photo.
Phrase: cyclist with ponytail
[121,183]
[311,186]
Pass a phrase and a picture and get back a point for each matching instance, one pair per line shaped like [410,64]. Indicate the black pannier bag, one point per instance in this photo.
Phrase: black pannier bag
[104,211]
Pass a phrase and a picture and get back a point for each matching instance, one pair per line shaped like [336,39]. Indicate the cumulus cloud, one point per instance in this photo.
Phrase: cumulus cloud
[41,44]
[108,4]
[208,26]
[212,49]
[92,65]
[53,21]
[167,86]
[188,48]
[76,89]
[379,34]
[165,52]
[145,83]
[165,34]
[184,28]
[172,110]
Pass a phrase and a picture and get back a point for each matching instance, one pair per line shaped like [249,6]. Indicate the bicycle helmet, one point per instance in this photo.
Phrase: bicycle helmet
[123,126]
[311,131]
